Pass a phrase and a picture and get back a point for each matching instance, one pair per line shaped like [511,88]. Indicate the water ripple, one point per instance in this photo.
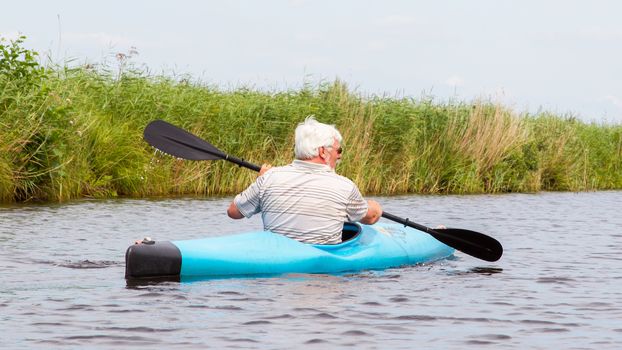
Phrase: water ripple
[324,315]
[88,264]
[258,322]
[355,333]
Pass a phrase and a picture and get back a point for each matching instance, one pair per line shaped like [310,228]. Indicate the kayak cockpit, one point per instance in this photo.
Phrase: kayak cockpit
[349,235]
[350,230]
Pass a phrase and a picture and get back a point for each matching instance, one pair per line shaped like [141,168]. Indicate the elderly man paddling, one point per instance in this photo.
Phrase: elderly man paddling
[306,200]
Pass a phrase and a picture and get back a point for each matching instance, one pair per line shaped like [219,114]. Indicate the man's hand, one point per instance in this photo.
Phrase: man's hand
[233,211]
[374,212]
[264,167]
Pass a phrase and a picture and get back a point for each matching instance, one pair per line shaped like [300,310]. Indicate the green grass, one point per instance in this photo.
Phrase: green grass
[69,133]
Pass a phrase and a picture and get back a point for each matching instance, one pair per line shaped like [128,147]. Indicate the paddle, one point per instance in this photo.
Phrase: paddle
[182,144]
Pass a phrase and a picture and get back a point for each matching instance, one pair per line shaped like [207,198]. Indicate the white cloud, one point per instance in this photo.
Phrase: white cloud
[601,33]
[11,35]
[454,81]
[377,45]
[100,39]
[593,33]
[314,62]
[616,101]
[309,36]
[299,3]
[396,20]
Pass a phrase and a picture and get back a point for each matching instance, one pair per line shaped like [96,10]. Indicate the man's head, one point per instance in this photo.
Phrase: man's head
[318,142]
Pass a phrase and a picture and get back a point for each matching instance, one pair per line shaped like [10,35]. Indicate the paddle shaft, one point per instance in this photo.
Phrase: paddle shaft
[449,238]
[242,163]
[407,222]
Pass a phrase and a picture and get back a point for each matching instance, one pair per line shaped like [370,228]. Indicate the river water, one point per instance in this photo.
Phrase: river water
[558,285]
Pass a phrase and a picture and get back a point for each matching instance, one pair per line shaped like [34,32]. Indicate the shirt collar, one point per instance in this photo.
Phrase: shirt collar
[311,166]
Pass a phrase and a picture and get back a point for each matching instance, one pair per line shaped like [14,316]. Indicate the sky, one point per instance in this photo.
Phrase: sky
[563,57]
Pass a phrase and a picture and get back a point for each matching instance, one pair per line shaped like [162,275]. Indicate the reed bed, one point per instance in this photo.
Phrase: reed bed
[69,133]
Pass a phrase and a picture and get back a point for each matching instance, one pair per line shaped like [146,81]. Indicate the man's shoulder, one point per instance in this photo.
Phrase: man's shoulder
[280,169]
[294,170]
[342,179]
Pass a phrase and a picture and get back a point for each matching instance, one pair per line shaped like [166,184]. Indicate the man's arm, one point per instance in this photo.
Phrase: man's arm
[374,212]
[234,212]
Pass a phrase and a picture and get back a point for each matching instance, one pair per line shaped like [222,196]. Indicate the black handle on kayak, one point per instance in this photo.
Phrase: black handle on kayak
[182,144]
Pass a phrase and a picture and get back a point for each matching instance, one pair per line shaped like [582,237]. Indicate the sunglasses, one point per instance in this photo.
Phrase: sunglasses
[339,150]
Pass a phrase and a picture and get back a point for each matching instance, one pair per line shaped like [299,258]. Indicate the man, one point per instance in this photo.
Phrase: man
[307,200]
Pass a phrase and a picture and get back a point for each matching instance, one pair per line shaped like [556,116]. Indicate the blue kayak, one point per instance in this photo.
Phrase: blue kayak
[365,247]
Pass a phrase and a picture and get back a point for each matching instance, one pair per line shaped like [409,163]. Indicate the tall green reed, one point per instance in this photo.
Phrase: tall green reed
[76,132]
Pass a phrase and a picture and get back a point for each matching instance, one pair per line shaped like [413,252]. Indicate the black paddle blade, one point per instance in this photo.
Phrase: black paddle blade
[179,143]
[470,242]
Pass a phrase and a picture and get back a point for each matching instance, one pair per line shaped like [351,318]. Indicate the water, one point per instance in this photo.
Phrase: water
[556,287]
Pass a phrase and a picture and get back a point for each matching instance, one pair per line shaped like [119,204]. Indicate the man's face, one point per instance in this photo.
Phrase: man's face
[332,155]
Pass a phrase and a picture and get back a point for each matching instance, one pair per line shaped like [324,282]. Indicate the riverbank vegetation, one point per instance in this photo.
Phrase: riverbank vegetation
[74,132]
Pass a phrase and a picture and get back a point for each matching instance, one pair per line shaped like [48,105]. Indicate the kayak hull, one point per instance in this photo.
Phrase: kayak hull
[376,246]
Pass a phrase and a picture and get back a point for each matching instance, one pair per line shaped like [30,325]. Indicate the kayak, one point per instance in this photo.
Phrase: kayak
[364,247]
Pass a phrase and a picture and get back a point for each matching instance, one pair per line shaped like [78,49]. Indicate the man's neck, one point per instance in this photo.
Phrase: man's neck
[316,160]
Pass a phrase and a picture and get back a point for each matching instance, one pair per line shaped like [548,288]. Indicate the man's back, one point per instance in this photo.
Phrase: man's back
[304,201]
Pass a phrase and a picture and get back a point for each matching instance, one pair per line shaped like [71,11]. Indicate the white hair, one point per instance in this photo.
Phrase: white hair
[311,135]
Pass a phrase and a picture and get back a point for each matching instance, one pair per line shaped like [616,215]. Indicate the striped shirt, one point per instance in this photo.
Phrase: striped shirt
[305,201]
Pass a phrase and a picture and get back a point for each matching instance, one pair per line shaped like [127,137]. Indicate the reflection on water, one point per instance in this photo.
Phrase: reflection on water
[486,270]
[555,287]
[88,264]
